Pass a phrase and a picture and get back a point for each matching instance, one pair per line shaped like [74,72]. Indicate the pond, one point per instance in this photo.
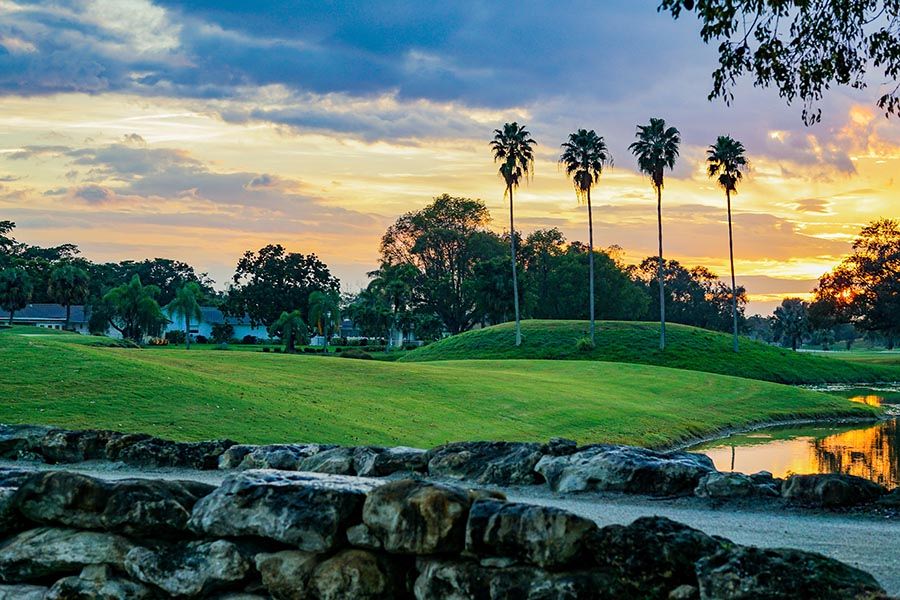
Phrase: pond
[867,450]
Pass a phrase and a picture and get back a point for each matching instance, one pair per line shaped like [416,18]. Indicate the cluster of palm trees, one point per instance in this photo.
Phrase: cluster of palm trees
[585,155]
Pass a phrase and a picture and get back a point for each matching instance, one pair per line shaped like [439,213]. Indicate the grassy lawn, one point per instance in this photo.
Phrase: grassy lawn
[631,342]
[80,382]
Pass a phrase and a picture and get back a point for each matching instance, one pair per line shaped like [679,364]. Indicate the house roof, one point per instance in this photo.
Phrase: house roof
[213,315]
[47,312]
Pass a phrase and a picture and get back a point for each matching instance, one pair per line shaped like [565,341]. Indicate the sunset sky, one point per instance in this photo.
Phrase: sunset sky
[199,130]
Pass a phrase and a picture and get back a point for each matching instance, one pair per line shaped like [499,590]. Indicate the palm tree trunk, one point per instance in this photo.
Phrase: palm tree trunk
[591,259]
[68,315]
[659,273]
[733,284]
[187,332]
[512,247]
[11,314]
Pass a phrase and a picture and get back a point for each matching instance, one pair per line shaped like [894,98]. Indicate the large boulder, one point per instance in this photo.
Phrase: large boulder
[99,582]
[540,535]
[356,575]
[652,555]
[283,457]
[625,469]
[133,506]
[493,463]
[63,446]
[460,580]
[721,486]
[189,568]
[830,490]
[302,509]
[22,592]
[416,517]
[745,573]
[39,553]
[336,461]
[380,462]
[285,574]
[16,440]
[156,452]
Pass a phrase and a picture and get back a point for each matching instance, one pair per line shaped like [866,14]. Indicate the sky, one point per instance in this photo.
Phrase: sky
[198,130]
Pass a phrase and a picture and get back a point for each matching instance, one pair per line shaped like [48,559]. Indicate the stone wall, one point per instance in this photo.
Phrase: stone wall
[293,535]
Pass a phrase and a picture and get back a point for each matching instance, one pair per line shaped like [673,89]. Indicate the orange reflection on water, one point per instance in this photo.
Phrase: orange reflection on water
[871,400]
[872,452]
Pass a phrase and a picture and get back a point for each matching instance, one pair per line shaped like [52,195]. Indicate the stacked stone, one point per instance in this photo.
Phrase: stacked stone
[287,535]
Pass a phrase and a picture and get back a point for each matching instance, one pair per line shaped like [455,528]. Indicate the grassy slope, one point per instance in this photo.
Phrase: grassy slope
[631,342]
[257,397]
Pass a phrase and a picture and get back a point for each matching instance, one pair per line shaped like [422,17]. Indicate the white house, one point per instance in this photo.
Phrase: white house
[49,316]
[213,316]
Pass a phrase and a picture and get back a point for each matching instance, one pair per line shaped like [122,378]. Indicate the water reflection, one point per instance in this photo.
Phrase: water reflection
[870,399]
[870,451]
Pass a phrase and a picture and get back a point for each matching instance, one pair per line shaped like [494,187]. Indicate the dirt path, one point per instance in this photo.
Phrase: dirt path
[867,542]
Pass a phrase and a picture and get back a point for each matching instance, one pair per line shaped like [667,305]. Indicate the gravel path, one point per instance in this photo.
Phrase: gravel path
[867,542]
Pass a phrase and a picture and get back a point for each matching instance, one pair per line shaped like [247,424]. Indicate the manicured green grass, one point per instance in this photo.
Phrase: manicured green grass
[262,397]
[631,342]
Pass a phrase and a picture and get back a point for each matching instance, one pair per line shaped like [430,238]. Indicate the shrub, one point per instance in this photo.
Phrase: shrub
[356,353]
[222,332]
[249,340]
[276,350]
[201,339]
[175,336]
[155,341]
[265,349]
[363,341]
[584,345]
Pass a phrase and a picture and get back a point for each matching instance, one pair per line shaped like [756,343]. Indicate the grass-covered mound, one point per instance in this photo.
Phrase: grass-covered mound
[258,397]
[632,342]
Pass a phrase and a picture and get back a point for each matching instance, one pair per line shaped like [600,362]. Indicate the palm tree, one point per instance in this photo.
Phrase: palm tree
[725,160]
[68,286]
[290,327]
[584,156]
[657,148]
[513,148]
[325,312]
[15,290]
[186,305]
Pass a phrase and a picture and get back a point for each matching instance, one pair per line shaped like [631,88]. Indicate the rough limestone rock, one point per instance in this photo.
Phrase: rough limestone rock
[416,517]
[155,452]
[61,446]
[22,592]
[684,592]
[188,568]
[461,580]
[284,457]
[133,506]
[652,555]
[118,444]
[781,574]
[380,462]
[891,500]
[99,582]
[559,446]
[494,463]
[10,520]
[336,461]
[830,490]
[720,485]
[355,575]
[302,509]
[40,553]
[362,537]
[541,535]
[285,575]
[625,469]
[16,440]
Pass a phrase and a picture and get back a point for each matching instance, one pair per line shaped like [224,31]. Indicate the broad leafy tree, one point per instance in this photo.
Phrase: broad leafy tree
[291,328]
[186,306]
[801,47]
[791,322]
[15,290]
[656,149]
[513,148]
[325,313]
[69,284]
[726,161]
[273,281]
[133,311]
[864,289]
[443,242]
[584,157]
